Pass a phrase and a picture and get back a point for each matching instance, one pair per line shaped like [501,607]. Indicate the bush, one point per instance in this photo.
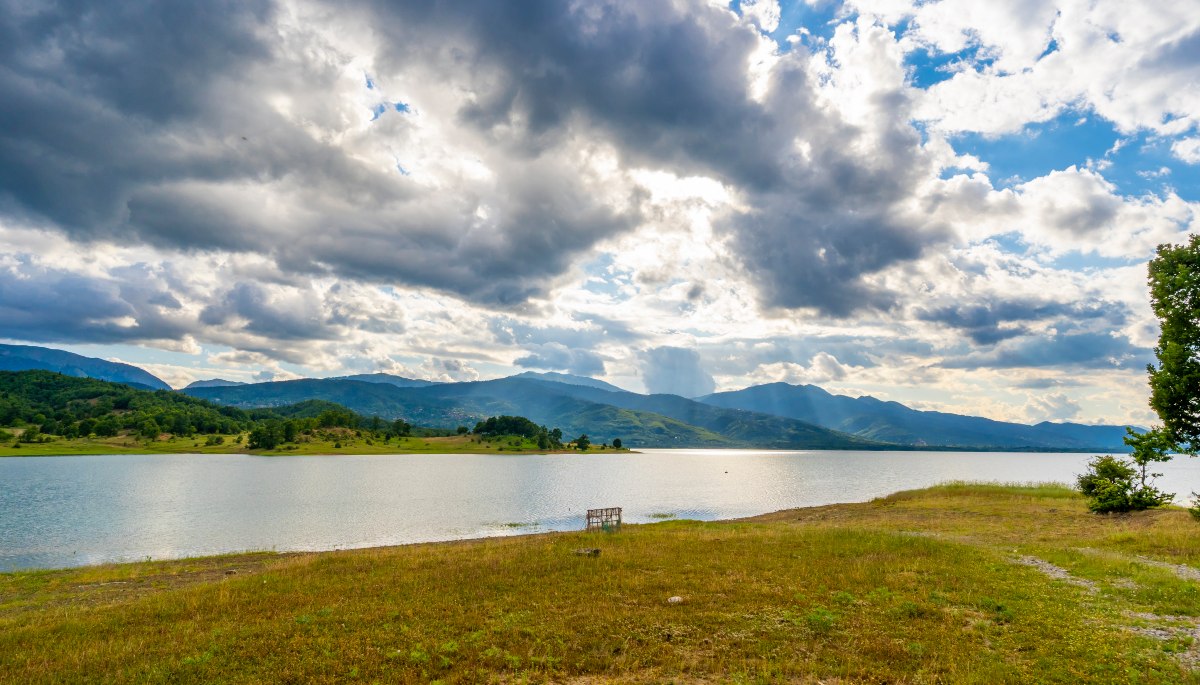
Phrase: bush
[1110,486]
[1195,510]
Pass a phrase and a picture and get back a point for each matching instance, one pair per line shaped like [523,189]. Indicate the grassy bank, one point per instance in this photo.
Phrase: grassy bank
[347,443]
[962,583]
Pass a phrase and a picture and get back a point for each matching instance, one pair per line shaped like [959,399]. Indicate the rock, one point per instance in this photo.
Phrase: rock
[675,600]
[588,552]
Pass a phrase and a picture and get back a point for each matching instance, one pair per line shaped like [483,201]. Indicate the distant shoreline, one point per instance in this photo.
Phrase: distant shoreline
[46,450]
[459,444]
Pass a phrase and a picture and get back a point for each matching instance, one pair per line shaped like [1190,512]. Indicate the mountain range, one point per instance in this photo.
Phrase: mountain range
[893,422]
[29,357]
[776,415]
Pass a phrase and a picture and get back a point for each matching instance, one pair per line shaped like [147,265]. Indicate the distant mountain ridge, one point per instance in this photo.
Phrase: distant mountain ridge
[569,379]
[212,383]
[30,357]
[386,378]
[776,415]
[893,422]
[602,414]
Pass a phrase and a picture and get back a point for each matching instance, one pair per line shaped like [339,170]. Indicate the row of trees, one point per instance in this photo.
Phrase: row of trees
[520,426]
[271,433]
[1113,484]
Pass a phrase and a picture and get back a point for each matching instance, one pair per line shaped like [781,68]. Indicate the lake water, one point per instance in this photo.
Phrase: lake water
[70,511]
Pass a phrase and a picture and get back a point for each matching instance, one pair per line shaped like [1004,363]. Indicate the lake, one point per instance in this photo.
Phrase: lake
[70,511]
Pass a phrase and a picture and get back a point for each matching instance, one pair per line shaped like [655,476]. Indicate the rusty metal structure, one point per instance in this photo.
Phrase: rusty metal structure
[607,520]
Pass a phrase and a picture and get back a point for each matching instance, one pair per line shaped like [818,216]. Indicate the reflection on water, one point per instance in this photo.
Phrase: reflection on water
[66,511]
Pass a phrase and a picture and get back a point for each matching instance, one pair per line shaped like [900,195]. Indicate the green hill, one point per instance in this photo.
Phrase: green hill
[29,357]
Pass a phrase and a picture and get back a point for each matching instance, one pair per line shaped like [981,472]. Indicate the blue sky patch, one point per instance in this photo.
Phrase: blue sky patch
[928,67]
[1143,163]
[1069,139]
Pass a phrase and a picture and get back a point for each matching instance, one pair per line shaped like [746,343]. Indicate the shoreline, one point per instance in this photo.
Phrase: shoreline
[771,516]
[33,450]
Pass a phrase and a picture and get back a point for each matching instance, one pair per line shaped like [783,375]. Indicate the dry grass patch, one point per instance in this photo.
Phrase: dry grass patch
[844,594]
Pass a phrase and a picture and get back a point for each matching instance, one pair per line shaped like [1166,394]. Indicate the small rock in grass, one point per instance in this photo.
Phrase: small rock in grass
[588,552]
[675,600]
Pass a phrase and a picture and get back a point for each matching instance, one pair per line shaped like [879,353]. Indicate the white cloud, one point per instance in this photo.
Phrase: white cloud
[1187,149]
[1134,67]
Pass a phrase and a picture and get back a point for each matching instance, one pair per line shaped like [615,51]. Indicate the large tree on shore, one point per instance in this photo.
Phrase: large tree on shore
[1174,277]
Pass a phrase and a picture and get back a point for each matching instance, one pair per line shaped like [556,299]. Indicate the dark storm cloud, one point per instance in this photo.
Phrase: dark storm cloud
[669,86]
[39,304]
[145,122]
[987,323]
[151,122]
[254,309]
[675,371]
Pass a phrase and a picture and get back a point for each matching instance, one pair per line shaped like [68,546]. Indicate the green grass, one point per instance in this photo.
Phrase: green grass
[919,587]
[348,444]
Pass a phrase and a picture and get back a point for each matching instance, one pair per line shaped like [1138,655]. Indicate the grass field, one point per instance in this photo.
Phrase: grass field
[348,444]
[961,584]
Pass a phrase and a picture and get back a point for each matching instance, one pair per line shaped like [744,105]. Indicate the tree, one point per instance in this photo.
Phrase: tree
[616,443]
[582,443]
[400,428]
[463,430]
[1174,278]
[150,429]
[1149,447]
[266,435]
[1112,484]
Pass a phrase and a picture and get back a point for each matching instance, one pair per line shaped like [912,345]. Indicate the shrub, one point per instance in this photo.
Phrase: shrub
[1195,510]
[1110,485]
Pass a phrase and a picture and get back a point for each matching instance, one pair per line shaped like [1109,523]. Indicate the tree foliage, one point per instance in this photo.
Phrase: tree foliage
[1174,277]
[44,404]
[520,426]
[1112,484]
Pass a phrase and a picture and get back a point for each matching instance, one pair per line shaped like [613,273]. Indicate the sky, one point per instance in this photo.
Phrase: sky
[948,204]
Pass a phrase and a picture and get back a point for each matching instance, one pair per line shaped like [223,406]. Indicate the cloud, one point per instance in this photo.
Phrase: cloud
[675,371]
[824,368]
[1023,62]
[1187,149]
[1053,407]
[559,357]
[567,184]
[1063,350]
[39,303]
[987,323]
[502,169]
[224,145]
